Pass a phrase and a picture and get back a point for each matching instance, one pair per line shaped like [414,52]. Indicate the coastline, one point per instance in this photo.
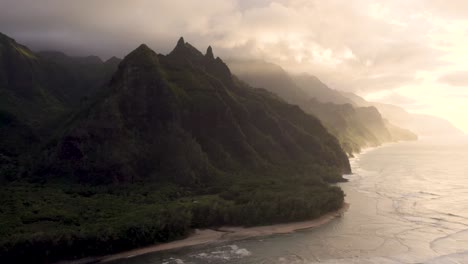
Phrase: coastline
[219,235]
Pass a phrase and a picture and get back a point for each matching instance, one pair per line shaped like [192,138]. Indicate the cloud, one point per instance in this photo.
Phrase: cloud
[455,78]
[342,40]
[318,37]
[114,27]
[334,38]
[451,9]
[365,46]
[398,99]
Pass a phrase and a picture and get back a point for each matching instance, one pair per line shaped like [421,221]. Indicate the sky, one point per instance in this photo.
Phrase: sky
[411,53]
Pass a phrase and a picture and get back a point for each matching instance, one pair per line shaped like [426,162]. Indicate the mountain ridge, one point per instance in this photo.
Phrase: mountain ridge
[171,143]
[355,127]
[176,105]
[423,125]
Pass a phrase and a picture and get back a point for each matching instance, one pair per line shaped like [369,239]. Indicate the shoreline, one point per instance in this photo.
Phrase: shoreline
[219,235]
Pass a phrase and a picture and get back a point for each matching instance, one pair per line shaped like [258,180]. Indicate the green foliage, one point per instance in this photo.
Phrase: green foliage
[45,223]
[172,143]
[37,91]
[182,118]
[354,127]
[26,52]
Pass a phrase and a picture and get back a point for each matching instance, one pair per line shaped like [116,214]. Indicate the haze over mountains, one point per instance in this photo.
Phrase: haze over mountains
[408,53]
[297,88]
[159,140]
[356,127]
[163,130]
[186,111]
[423,125]
[92,151]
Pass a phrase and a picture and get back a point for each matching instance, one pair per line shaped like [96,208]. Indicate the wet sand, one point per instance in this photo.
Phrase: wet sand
[223,234]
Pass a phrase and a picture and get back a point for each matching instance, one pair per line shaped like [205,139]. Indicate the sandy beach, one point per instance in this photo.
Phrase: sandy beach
[223,234]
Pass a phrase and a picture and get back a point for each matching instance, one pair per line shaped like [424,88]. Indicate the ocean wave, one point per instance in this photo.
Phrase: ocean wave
[456,258]
[173,261]
[224,253]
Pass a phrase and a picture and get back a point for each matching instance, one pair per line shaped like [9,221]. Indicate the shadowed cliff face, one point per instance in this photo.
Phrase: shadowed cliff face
[28,85]
[184,118]
[164,132]
[37,91]
[38,87]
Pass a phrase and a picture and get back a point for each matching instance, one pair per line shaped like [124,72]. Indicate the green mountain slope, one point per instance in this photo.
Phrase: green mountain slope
[88,74]
[188,113]
[38,87]
[29,88]
[315,88]
[269,76]
[355,127]
[30,96]
[38,90]
[173,142]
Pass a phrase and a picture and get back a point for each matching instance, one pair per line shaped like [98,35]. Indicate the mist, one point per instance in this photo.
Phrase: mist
[409,54]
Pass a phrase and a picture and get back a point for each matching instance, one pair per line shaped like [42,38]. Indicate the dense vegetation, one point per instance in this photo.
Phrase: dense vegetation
[37,92]
[43,223]
[171,143]
[183,118]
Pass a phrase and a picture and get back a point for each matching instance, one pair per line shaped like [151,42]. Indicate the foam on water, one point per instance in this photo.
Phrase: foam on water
[173,261]
[223,253]
[456,258]
[408,204]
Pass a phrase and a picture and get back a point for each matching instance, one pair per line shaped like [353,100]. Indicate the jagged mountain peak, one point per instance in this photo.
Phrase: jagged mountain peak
[139,70]
[143,48]
[185,50]
[209,53]
[181,42]
[158,108]
[185,53]
[141,56]
[113,60]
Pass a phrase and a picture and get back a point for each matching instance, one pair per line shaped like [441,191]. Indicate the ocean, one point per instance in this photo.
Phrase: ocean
[408,204]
